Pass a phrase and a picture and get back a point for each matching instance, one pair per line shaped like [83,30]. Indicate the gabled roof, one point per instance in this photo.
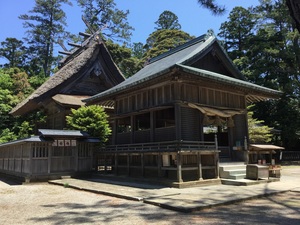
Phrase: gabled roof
[62,133]
[260,92]
[183,57]
[73,67]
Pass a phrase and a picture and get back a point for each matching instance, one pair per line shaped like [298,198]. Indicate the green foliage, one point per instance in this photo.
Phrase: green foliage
[167,21]
[14,87]
[258,133]
[104,15]
[161,41]
[14,51]
[25,130]
[264,44]
[91,119]
[212,6]
[6,135]
[124,58]
[45,23]
[36,81]
[138,50]
[7,100]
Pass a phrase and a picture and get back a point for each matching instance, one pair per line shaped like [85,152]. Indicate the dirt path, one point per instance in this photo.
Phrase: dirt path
[42,203]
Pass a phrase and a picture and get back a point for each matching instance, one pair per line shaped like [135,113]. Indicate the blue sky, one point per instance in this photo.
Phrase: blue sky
[194,19]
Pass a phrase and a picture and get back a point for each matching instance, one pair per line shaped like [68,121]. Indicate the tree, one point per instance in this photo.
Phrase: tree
[124,58]
[45,23]
[258,133]
[7,101]
[104,15]
[238,31]
[167,21]
[14,51]
[269,56]
[212,6]
[138,50]
[162,41]
[91,119]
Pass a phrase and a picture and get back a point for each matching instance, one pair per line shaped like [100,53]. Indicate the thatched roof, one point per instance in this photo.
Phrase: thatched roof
[74,66]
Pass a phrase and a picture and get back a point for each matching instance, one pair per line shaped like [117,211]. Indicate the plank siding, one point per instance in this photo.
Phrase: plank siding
[190,124]
[165,134]
[142,136]
[123,138]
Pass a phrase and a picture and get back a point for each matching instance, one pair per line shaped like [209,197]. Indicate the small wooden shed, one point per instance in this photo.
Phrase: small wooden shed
[174,116]
[52,154]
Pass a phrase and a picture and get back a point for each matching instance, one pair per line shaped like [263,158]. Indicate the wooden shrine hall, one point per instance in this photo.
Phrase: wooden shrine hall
[176,116]
[87,69]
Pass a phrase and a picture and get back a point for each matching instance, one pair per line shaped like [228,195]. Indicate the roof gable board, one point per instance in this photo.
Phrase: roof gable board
[187,54]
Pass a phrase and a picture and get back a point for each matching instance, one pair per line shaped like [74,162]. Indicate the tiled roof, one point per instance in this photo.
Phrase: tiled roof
[182,57]
[160,64]
[62,133]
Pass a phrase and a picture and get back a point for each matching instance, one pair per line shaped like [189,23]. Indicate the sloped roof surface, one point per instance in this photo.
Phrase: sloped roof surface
[72,66]
[160,64]
[228,80]
[62,133]
[180,57]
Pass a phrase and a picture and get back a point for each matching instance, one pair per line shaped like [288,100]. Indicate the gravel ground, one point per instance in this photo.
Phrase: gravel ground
[43,203]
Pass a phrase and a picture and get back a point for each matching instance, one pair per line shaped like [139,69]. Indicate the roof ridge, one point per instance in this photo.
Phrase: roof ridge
[201,38]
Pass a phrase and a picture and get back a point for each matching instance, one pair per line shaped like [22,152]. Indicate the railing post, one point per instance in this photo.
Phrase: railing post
[216,141]
[179,168]
[246,150]
[199,166]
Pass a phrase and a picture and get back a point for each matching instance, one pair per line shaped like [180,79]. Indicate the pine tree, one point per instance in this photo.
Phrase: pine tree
[46,24]
[104,15]
[258,133]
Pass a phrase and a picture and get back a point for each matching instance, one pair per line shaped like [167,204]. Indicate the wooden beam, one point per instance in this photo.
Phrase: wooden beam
[74,44]
[65,53]
[87,35]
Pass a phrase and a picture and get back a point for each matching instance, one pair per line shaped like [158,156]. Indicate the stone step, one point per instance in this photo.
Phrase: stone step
[237,176]
[233,171]
[232,167]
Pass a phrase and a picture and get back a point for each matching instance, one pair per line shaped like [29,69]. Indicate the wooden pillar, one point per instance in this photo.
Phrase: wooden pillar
[114,132]
[152,126]
[116,164]
[271,156]
[159,164]
[128,164]
[230,142]
[216,142]
[30,158]
[199,166]
[178,121]
[132,121]
[142,164]
[105,163]
[76,158]
[21,169]
[217,164]
[179,168]
[50,147]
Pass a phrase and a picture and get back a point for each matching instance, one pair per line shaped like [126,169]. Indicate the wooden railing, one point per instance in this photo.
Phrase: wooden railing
[170,146]
[290,155]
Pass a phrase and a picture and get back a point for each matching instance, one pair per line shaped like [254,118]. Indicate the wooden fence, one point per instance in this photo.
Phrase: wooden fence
[290,156]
